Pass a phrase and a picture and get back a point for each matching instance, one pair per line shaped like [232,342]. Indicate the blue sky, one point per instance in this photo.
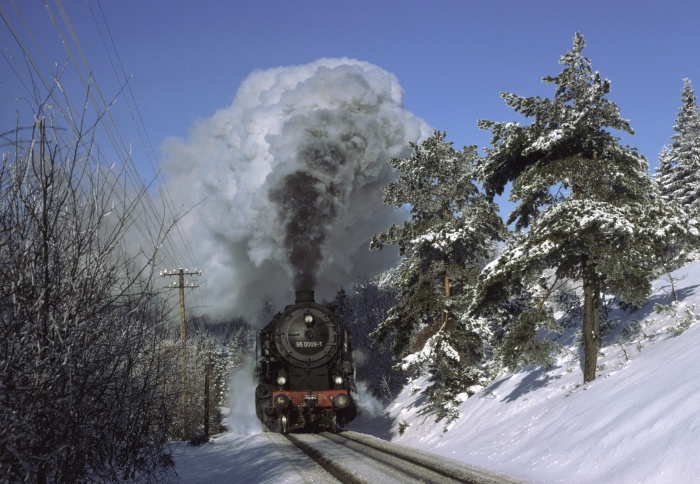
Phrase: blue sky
[186,60]
[452,58]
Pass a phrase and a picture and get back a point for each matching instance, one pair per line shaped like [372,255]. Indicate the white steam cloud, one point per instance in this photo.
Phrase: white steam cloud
[367,404]
[241,416]
[290,176]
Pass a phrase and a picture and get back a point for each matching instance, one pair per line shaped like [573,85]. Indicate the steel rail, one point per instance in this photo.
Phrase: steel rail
[391,461]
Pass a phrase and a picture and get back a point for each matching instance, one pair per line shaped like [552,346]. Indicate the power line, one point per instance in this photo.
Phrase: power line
[147,223]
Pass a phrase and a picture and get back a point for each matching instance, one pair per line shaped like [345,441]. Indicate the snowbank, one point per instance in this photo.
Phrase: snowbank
[637,422]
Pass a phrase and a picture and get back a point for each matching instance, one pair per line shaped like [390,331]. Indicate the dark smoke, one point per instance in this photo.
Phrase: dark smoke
[291,176]
[300,205]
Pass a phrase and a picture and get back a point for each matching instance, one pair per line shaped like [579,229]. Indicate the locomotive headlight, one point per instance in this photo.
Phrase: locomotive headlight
[281,380]
[338,380]
[281,401]
[341,400]
[308,319]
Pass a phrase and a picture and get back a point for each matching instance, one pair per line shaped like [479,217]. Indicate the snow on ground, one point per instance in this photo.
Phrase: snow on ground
[245,453]
[233,457]
[639,421]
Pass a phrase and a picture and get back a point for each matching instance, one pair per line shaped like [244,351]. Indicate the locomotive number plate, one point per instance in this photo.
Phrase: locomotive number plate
[308,344]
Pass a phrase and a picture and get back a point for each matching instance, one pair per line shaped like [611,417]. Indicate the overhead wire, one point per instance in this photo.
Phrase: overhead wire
[139,123]
[147,142]
[131,99]
[151,156]
[149,218]
[129,159]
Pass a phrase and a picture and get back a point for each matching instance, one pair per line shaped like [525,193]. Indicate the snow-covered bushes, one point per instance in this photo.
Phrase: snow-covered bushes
[82,393]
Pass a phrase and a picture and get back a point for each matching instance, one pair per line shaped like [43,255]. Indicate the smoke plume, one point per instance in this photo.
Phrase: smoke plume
[290,176]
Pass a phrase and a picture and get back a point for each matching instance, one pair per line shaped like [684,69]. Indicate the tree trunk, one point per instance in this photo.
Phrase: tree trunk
[591,319]
[446,312]
[446,283]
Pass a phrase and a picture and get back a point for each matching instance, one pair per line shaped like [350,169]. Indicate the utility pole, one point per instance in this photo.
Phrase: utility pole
[180,284]
[207,383]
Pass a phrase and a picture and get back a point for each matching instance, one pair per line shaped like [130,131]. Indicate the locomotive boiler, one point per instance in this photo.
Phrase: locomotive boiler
[305,370]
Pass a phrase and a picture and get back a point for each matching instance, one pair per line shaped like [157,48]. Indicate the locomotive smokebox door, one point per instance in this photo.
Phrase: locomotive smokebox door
[308,338]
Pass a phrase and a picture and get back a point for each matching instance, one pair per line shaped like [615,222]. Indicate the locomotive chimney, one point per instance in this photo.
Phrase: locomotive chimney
[304,296]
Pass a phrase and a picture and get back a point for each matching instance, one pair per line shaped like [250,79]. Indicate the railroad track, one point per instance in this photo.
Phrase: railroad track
[357,458]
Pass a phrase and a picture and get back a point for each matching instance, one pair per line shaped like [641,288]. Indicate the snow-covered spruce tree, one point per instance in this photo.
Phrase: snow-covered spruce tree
[678,252]
[82,398]
[678,174]
[665,174]
[586,201]
[362,309]
[678,178]
[444,245]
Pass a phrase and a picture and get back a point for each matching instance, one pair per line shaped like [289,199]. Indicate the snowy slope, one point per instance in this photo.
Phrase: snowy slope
[639,421]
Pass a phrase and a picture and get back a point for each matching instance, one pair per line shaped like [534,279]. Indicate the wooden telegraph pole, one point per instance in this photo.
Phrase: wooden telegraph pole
[180,284]
[207,384]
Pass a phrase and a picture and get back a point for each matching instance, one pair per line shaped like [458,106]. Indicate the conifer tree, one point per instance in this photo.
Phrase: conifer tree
[362,309]
[586,201]
[677,177]
[664,174]
[443,245]
[678,174]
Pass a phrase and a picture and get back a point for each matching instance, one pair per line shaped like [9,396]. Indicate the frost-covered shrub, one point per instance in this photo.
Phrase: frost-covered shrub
[82,393]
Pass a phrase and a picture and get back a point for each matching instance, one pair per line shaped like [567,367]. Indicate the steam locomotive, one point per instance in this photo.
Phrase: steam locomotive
[305,370]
